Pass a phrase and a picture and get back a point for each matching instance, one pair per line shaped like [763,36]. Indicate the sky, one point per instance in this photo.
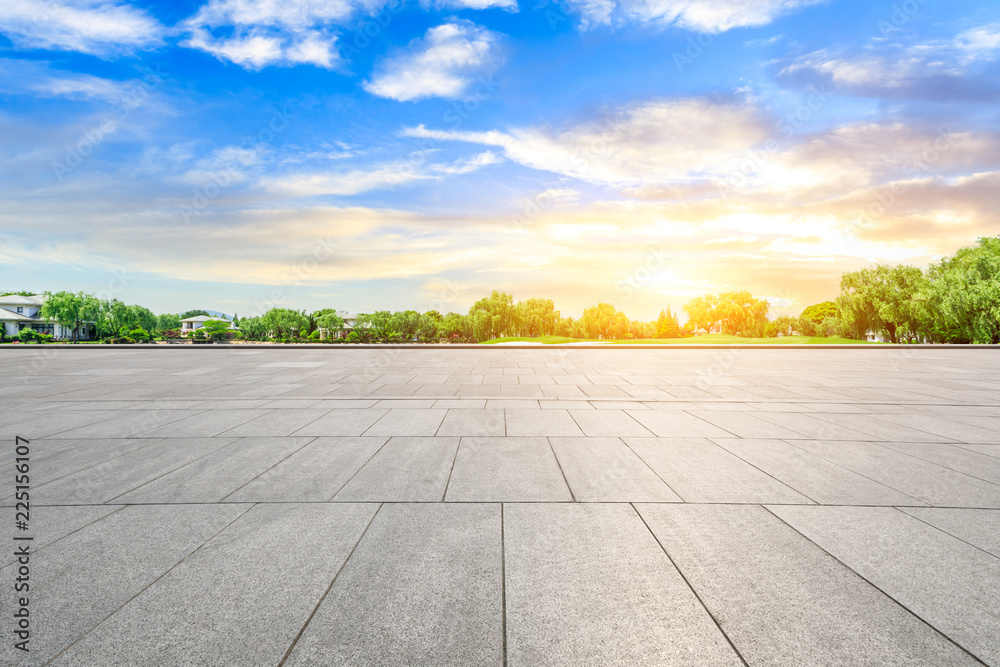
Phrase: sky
[362,155]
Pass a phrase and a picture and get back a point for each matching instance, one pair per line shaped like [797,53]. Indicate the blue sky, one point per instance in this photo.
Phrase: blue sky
[241,154]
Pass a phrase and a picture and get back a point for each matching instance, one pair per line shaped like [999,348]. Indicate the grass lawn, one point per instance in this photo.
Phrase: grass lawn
[712,339]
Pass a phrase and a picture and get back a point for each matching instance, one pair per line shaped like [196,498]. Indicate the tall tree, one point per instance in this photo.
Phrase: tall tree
[961,299]
[667,325]
[741,313]
[702,312]
[66,308]
[882,297]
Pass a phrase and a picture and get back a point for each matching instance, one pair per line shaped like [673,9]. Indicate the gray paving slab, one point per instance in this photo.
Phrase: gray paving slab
[408,422]
[33,428]
[902,556]
[927,482]
[974,464]
[814,477]
[125,425]
[205,424]
[541,423]
[608,423]
[880,429]
[277,422]
[80,580]
[343,422]
[980,528]
[496,469]
[112,478]
[782,600]
[50,460]
[812,428]
[423,587]
[480,422]
[51,524]
[988,450]
[677,424]
[942,426]
[404,470]
[743,425]
[314,473]
[254,584]
[212,477]
[699,471]
[586,584]
[606,470]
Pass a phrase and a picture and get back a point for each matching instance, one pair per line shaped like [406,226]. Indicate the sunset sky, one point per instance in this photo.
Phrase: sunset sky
[240,154]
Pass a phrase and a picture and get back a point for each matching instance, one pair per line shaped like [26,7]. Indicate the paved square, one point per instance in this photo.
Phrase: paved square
[248,505]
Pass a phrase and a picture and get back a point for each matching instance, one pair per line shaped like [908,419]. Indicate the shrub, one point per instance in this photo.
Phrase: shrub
[139,334]
[27,335]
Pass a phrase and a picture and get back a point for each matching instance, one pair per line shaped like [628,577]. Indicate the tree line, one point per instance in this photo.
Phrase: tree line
[956,300]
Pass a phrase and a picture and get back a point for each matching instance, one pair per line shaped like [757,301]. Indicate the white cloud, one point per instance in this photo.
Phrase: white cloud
[654,143]
[375,177]
[509,5]
[932,68]
[443,63]
[982,42]
[351,182]
[271,32]
[99,27]
[474,163]
[35,77]
[710,16]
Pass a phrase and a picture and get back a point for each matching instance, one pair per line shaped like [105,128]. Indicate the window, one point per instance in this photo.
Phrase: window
[20,309]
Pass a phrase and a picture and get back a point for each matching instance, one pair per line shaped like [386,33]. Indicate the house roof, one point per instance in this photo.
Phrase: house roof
[11,316]
[17,300]
[204,318]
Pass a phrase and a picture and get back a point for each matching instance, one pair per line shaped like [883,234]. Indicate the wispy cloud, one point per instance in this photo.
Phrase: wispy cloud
[99,27]
[953,68]
[710,16]
[258,33]
[652,143]
[39,78]
[443,63]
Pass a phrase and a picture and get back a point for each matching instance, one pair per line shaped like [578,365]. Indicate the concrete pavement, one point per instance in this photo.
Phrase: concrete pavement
[498,506]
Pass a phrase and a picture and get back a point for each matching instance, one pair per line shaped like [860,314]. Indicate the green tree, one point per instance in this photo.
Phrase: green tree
[66,308]
[193,313]
[375,326]
[216,329]
[667,325]
[254,328]
[602,321]
[405,324]
[741,313]
[328,319]
[883,298]
[960,301]
[140,317]
[428,328]
[493,317]
[702,312]
[452,326]
[818,312]
[168,322]
[284,322]
[536,317]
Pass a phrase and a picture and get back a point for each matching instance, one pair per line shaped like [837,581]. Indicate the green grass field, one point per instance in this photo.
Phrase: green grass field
[712,339]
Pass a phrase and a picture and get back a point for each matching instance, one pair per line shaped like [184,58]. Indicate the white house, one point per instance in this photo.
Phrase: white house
[350,321]
[192,324]
[20,312]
